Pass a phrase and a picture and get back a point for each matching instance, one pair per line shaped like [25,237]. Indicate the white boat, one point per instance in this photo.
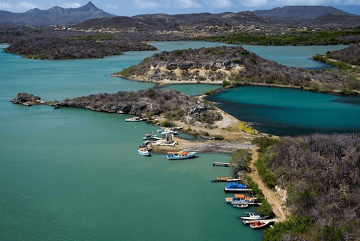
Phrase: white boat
[243,205]
[251,216]
[174,155]
[143,151]
[133,119]
[168,132]
[259,224]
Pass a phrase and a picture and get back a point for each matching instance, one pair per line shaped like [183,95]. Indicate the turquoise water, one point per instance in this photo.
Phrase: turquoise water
[294,56]
[291,112]
[73,174]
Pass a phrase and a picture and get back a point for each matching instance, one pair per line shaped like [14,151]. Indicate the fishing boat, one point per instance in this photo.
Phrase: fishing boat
[151,137]
[168,131]
[251,216]
[240,205]
[236,187]
[174,155]
[259,224]
[143,151]
[133,119]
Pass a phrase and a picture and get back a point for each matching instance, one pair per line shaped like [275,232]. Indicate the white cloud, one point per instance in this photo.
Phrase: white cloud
[5,6]
[71,5]
[188,4]
[25,6]
[145,4]
[111,6]
[220,3]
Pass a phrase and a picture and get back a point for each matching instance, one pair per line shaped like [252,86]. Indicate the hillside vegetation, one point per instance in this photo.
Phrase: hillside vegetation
[305,38]
[322,177]
[80,47]
[231,66]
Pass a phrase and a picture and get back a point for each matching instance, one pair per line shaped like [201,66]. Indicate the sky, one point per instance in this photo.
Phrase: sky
[135,7]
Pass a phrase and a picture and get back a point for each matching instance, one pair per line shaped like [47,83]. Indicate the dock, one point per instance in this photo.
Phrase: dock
[227,180]
[221,164]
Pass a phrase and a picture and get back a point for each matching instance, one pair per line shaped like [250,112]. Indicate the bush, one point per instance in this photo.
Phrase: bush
[167,123]
[241,160]
[219,137]
[264,142]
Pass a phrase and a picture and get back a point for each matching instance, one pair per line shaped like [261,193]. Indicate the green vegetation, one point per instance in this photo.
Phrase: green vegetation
[266,176]
[219,137]
[175,115]
[328,37]
[167,123]
[178,52]
[296,225]
[264,142]
[244,127]
[241,160]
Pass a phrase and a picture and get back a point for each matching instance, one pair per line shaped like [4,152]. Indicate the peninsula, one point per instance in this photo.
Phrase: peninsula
[231,66]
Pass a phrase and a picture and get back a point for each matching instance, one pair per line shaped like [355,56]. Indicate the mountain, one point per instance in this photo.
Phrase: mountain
[54,16]
[298,12]
[173,22]
[336,20]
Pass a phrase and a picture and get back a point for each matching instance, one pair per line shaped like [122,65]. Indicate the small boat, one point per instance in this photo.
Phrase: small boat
[143,151]
[259,224]
[236,187]
[165,132]
[174,155]
[252,216]
[133,119]
[150,137]
[226,179]
[244,205]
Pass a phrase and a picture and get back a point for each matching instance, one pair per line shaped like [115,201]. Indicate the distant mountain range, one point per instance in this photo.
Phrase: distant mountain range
[298,12]
[89,16]
[54,16]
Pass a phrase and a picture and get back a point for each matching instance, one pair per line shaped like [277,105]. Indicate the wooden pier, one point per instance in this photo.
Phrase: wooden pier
[221,164]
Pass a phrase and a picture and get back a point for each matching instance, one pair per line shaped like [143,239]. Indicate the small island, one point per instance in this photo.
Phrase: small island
[231,66]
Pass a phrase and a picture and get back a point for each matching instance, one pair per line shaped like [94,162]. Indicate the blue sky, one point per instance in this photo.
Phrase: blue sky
[134,7]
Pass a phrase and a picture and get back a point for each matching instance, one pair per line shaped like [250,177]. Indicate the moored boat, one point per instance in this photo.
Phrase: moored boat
[133,119]
[235,187]
[174,155]
[251,216]
[143,151]
[259,224]
[226,179]
[240,205]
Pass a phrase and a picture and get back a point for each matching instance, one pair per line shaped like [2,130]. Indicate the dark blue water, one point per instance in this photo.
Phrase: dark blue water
[283,111]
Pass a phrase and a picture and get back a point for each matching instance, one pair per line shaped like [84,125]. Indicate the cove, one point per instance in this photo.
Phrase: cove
[283,111]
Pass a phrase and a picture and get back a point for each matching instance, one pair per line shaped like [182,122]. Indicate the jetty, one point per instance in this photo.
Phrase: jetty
[222,164]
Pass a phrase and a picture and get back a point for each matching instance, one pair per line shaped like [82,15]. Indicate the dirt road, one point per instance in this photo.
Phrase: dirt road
[270,195]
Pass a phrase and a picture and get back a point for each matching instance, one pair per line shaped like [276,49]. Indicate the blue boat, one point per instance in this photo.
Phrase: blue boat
[236,187]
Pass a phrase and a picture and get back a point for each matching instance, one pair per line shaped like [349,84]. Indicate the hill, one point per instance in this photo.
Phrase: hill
[336,19]
[54,16]
[229,66]
[298,12]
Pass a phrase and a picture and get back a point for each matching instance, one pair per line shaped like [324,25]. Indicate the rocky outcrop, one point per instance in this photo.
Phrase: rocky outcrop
[27,99]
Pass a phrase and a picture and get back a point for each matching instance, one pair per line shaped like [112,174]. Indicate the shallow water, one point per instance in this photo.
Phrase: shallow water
[282,111]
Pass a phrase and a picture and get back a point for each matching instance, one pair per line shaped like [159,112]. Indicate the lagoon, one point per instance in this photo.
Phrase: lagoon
[71,174]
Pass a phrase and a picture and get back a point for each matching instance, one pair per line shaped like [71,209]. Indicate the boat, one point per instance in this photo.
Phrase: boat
[259,224]
[133,119]
[143,151]
[174,155]
[226,179]
[236,187]
[151,137]
[169,131]
[244,205]
[251,216]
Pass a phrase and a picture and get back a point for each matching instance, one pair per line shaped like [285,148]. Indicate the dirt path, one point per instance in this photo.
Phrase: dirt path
[270,195]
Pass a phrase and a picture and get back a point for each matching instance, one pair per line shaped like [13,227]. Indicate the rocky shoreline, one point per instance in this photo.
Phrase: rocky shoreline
[166,107]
